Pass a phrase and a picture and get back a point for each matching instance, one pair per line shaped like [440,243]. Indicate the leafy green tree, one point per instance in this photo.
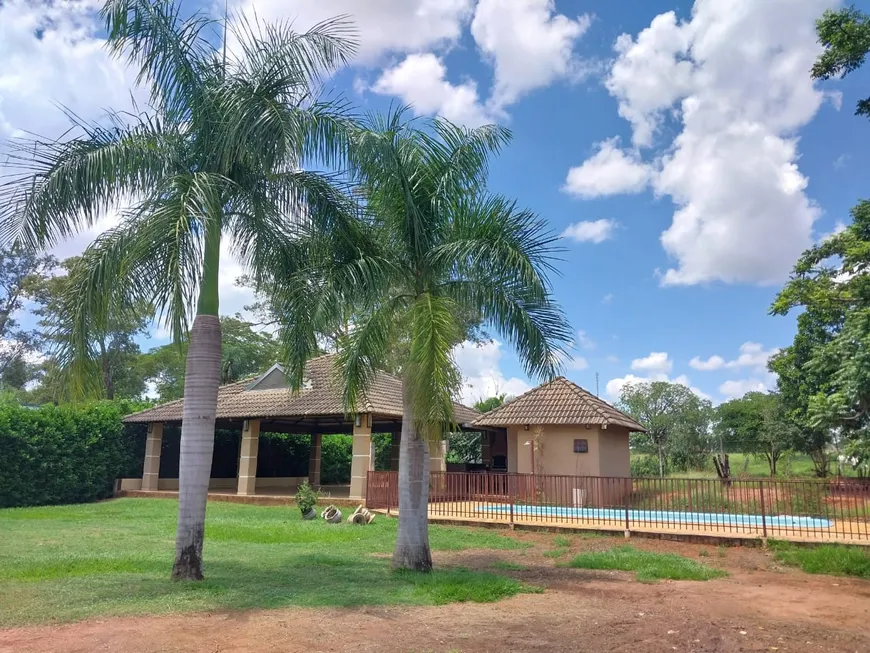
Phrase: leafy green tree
[757,423]
[845,35]
[21,271]
[113,351]
[245,352]
[223,153]
[466,446]
[431,245]
[486,405]
[823,374]
[677,421]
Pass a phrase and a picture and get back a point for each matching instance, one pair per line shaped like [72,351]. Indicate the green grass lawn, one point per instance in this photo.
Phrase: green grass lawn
[63,563]
[832,559]
[646,565]
[801,466]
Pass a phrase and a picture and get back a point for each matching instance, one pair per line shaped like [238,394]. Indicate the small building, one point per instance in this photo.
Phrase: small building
[266,405]
[556,429]
[559,428]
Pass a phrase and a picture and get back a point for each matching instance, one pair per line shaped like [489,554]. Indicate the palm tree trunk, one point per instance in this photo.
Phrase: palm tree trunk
[412,543]
[201,381]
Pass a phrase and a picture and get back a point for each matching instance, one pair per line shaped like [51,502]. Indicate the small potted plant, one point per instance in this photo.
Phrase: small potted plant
[306,499]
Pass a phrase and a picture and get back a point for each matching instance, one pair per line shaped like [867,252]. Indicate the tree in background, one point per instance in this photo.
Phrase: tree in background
[825,373]
[756,423]
[821,374]
[113,351]
[486,405]
[221,154]
[245,352]
[21,272]
[677,421]
[431,246]
[845,35]
[466,446]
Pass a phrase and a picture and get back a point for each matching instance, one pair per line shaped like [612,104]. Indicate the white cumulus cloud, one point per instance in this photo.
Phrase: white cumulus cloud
[733,81]
[752,356]
[709,365]
[382,26]
[738,388]
[528,43]
[590,231]
[611,170]
[481,371]
[658,362]
[421,80]
[614,386]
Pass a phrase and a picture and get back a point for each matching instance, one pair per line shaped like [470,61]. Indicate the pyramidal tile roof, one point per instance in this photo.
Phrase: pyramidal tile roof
[557,402]
[269,397]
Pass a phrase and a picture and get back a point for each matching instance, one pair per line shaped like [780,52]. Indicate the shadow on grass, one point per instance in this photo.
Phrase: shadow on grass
[311,580]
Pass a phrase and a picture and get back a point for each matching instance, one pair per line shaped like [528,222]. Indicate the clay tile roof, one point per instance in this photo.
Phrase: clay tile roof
[320,395]
[558,402]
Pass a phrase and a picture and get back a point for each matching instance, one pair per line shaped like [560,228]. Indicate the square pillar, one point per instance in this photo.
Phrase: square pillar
[394,451]
[248,457]
[438,456]
[151,468]
[363,456]
[314,460]
[512,438]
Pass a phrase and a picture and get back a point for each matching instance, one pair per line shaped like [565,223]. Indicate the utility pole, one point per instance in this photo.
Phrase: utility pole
[596,385]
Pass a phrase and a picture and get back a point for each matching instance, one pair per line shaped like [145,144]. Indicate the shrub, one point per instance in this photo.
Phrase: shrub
[65,454]
[644,465]
[306,498]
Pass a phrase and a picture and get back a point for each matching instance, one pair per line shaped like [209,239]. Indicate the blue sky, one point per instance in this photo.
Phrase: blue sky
[680,147]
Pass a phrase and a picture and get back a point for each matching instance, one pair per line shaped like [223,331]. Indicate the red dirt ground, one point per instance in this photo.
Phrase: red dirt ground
[760,607]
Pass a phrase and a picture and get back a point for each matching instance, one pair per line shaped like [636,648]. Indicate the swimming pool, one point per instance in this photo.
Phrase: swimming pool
[613,514]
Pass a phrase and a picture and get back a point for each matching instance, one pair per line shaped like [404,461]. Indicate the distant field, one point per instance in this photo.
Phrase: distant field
[799,466]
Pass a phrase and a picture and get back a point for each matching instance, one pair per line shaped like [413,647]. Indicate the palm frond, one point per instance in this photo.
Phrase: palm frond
[58,187]
[490,237]
[270,100]
[276,56]
[432,376]
[527,317]
[364,351]
[459,157]
[172,53]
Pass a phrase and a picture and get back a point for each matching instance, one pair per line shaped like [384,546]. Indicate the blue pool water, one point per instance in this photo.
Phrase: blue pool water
[775,521]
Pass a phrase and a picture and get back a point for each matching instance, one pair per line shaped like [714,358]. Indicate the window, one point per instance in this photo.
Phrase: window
[581,446]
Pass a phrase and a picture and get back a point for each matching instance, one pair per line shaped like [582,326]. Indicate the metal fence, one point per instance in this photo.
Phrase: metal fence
[827,510]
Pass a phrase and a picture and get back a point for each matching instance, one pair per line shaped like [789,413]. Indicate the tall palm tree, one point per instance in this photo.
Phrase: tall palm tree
[431,246]
[222,154]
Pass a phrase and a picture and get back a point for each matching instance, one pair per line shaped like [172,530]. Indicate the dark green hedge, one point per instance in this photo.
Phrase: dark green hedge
[73,454]
[65,454]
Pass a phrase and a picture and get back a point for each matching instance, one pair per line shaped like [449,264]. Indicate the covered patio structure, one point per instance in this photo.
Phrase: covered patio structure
[265,404]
